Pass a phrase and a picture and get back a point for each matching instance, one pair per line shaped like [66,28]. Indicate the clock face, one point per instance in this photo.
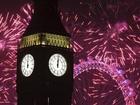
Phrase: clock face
[27,65]
[57,65]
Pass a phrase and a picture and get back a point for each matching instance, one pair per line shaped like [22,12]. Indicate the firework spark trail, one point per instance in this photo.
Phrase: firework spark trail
[12,27]
[110,33]
[76,47]
[93,35]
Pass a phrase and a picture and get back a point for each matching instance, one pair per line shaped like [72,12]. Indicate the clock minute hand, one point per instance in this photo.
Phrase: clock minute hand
[27,62]
[58,62]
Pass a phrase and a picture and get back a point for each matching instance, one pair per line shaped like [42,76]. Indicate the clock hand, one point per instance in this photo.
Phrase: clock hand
[27,62]
[58,62]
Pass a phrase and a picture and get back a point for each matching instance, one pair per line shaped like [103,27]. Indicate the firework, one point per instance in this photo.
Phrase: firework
[109,31]
[12,27]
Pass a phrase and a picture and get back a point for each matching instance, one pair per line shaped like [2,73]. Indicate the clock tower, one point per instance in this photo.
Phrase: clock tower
[44,59]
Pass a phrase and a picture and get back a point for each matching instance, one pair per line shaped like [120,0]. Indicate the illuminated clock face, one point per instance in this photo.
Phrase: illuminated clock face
[57,65]
[27,65]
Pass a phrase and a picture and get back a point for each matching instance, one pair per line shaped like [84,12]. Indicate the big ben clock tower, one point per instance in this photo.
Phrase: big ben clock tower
[45,60]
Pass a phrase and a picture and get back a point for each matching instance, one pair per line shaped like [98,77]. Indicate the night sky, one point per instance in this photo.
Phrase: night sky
[106,41]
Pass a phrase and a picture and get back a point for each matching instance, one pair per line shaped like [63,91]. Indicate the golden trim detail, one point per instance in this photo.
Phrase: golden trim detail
[44,39]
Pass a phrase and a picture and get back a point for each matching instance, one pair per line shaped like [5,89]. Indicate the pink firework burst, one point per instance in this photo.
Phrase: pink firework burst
[11,28]
[109,31]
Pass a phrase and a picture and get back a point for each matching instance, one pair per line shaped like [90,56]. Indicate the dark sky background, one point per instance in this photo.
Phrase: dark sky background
[12,5]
